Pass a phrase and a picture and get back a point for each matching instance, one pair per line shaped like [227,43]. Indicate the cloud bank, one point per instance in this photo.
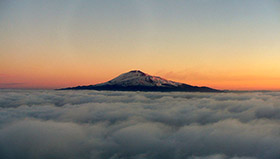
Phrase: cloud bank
[137,125]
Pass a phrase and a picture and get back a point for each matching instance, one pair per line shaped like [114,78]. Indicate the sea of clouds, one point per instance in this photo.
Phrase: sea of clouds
[53,124]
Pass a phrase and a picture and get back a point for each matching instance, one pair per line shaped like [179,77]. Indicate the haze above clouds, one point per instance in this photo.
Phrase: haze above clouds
[136,125]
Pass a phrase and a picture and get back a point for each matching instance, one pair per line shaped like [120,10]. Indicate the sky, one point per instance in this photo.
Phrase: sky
[216,43]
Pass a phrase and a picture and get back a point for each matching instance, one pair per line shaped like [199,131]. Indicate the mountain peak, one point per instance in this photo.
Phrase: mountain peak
[137,72]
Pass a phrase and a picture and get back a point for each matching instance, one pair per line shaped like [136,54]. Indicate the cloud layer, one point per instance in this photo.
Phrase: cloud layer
[138,125]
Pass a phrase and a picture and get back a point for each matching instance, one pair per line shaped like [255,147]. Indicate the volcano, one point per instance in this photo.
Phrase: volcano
[137,80]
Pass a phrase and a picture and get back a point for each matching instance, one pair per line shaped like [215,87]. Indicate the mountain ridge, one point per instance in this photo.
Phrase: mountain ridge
[136,80]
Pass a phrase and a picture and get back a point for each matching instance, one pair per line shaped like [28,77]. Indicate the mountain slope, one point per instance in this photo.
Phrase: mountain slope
[137,80]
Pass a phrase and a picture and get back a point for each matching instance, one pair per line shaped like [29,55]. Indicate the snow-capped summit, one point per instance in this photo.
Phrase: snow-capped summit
[137,80]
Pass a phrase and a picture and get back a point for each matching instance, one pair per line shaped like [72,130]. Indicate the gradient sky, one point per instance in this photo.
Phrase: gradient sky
[225,44]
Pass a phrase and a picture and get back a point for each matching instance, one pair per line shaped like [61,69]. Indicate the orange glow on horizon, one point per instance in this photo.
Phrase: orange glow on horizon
[63,78]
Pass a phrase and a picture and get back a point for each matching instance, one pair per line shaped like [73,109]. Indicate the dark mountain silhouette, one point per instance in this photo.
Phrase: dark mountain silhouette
[137,80]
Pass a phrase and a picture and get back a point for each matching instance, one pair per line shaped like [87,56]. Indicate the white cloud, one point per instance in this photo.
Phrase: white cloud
[93,124]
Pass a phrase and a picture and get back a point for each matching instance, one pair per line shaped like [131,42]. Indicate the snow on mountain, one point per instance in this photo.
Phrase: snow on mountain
[139,78]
